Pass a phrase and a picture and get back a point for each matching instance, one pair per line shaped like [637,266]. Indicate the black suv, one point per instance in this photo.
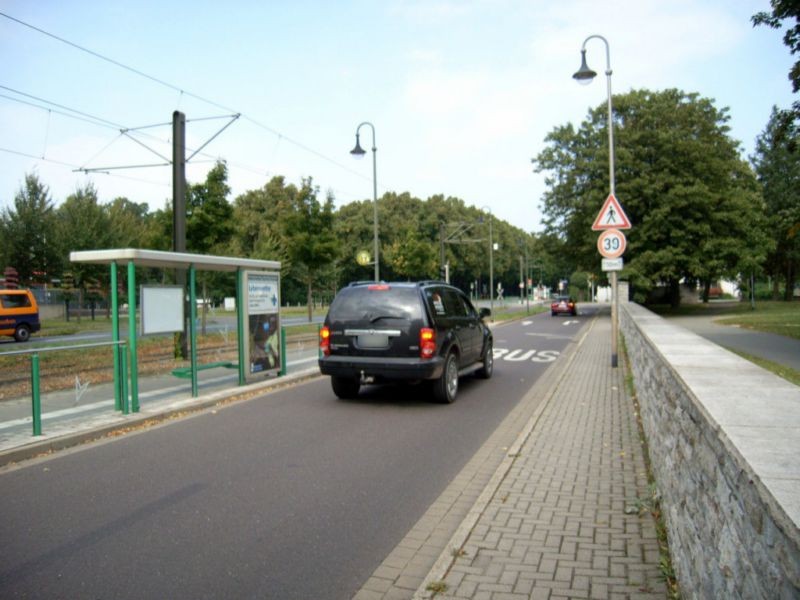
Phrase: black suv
[379,332]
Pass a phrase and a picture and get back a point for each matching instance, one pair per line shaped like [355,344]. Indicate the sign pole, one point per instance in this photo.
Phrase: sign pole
[614,319]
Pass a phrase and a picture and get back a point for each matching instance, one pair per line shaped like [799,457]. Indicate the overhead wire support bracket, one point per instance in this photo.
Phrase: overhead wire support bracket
[168,162]
[213,137]
[143,145]
[106,169]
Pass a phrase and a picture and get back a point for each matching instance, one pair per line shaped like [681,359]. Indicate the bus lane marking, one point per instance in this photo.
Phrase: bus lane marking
[521,355]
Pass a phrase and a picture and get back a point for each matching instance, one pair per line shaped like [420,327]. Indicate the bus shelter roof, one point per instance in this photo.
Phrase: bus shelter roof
[172,260]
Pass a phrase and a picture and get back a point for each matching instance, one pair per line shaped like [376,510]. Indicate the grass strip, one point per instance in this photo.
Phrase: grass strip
[787,373]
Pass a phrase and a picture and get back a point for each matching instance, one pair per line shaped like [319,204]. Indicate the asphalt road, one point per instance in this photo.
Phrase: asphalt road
[770,346]
[293,494]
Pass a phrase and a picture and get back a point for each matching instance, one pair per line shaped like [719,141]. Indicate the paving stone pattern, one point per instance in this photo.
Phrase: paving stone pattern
[562,523]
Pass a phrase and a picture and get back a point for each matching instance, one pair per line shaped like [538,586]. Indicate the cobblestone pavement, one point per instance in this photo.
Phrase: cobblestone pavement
[564,521]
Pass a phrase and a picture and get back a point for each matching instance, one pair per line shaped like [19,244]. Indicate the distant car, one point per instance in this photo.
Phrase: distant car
[19,314]
[422,331]
[562,305]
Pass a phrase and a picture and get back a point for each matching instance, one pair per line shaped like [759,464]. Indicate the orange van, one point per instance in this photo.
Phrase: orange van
[19,314]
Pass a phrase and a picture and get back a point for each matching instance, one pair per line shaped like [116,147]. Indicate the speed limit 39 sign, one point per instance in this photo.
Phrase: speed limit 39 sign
[611,243]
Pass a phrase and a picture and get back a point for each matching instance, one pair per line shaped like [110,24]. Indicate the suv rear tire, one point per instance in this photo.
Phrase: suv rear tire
[485,372]
[345,388]
[446,387]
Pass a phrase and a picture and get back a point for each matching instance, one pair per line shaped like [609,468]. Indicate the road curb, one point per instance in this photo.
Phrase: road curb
[45,447]
[456,543]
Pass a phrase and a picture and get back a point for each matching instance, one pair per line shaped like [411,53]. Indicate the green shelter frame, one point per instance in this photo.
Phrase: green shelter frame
[132,258]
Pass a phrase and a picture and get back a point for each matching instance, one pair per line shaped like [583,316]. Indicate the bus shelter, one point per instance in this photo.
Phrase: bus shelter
[257,309]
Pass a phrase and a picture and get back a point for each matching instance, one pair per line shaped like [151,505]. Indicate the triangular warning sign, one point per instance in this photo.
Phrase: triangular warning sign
[611,216]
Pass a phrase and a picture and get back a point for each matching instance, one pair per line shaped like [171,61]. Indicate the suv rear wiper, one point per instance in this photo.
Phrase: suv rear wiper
[379,317]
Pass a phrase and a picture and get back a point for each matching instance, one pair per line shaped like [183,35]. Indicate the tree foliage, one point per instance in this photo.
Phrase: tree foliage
[786,12]
[83,224]
[28,234]
[693,202]
[311,243]
[778,172]
[209,227]
[695,205]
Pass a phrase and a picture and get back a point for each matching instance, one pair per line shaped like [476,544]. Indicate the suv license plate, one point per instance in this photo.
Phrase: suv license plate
[373,340]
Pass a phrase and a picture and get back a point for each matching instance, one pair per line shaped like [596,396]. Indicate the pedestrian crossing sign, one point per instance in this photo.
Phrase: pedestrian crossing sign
[611,216]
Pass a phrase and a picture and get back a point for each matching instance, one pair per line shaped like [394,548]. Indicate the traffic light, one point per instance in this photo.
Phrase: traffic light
[12,278]
[68,281]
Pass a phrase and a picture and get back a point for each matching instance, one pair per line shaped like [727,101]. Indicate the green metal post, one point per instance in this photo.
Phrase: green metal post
[240,328]
[283,352]
[115,337]
[193,327]
[35,397]
[132,336]
[124,375]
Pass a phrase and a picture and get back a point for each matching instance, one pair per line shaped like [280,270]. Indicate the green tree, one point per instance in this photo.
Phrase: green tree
[209,224]
[311,242]
[783,11]
[258,217]
[83,224]
[411,257]
[209,227]
[353,226]
[129,223]
[692,200]
[28,234]
[778,172]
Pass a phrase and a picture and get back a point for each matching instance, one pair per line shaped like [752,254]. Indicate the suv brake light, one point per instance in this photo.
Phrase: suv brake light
[378,287]
[427,342]
[325,341]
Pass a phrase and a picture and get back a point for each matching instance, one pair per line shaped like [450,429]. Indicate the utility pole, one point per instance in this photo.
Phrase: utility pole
[442,271]
[179,207]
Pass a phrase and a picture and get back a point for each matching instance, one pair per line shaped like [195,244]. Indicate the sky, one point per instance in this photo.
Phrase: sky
[461,93]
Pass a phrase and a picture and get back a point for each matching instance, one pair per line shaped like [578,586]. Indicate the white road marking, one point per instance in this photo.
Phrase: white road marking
[520,355]
[550,336]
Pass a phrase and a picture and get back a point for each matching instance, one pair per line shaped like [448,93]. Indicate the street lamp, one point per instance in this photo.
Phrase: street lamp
[358,152]
[584,75]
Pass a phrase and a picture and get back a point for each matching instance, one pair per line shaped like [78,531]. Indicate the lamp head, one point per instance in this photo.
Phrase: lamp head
[584,75]
[358,151]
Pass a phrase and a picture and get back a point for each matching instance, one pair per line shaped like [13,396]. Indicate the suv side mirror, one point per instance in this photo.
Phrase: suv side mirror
[485,312]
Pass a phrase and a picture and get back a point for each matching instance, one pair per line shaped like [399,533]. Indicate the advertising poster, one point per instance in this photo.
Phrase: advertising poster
[263,323]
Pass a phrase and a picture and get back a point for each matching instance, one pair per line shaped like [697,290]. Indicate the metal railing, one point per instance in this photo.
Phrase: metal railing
[120,376]
[122,400]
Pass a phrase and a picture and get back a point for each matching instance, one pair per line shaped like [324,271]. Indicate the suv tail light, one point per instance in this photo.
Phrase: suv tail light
[427,342]
[325,341]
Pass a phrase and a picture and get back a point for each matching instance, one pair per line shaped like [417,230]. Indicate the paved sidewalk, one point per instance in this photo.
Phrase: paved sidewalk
[560,519]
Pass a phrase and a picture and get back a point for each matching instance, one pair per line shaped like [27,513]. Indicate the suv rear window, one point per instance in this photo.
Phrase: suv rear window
[374,302]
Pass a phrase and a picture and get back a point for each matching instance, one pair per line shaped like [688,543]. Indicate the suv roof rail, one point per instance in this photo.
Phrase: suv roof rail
[431,281]
[417,283]
[365,282]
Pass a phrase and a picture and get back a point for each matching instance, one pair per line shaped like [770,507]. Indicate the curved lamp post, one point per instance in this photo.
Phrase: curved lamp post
[584,75]
[359,152]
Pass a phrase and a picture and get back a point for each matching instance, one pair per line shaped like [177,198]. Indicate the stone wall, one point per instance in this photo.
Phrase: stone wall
[724,439]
